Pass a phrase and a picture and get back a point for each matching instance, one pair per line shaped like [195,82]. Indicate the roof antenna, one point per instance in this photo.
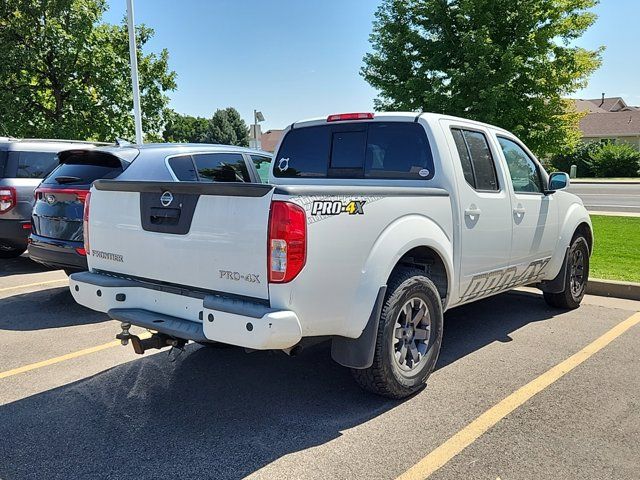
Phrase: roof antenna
[602,102]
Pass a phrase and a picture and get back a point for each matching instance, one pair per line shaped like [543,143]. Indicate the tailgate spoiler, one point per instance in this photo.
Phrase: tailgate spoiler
[199,188]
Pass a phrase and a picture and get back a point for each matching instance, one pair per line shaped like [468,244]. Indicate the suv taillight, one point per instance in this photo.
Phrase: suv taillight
[8,199]
[41,193]
[287,242]
[85,223]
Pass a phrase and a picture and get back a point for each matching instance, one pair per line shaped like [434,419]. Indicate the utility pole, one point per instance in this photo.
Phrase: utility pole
[133,58]
[255,142]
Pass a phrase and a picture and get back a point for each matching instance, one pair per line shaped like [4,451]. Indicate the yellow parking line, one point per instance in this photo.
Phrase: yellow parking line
[469,434]
[62,358]
[29,285]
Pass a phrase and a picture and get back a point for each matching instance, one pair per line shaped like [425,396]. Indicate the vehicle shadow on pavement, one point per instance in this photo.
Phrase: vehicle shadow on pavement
[49,308]
[20,265]
[471,327]
[214,413]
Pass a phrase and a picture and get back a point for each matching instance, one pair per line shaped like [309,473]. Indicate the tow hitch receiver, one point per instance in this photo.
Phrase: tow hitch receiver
[156,341]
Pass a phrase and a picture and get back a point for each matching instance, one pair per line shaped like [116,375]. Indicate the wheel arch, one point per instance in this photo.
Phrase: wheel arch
[413,240]
[585,229]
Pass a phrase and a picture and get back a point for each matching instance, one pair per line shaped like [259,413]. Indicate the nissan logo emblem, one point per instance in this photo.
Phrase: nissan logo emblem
[166,198]
[50,199]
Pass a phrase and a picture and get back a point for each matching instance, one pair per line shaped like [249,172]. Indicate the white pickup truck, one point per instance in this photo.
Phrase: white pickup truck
[370,228]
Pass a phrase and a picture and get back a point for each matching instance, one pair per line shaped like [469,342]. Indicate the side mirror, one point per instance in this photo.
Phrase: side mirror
[558,181]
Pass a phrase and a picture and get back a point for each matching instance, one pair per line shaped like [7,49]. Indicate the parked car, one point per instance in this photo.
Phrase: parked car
[57,233]
[372,227]
[23,165]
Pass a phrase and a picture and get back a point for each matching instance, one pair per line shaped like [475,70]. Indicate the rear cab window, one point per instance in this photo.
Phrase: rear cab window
[380,150]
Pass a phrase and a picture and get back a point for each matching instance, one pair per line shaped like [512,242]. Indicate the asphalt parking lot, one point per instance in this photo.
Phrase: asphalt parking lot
[75,405]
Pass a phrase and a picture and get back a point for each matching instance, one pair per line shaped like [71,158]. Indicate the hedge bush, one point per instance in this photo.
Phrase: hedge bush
[580,157]
[600,159]
[615,160]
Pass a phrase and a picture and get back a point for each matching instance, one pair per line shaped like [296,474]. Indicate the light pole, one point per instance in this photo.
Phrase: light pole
[133,58]
[255,141]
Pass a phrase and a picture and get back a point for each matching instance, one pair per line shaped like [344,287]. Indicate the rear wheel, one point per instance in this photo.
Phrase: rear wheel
[8,252]
[576,277]
[409,337]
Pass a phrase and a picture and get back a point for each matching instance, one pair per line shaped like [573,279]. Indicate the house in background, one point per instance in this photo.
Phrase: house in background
[270,139]
[609,119]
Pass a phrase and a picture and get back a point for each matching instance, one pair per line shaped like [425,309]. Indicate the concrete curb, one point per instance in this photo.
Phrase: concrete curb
[613,214]
[604,182]
[611,288]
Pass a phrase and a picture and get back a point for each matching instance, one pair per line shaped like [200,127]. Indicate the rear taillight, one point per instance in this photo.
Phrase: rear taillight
[340,117]
[8,199]
[85,224]
[287,243]
[81,195]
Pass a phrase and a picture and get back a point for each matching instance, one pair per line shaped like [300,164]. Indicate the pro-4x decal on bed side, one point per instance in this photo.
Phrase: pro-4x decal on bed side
[323,207]
[498,280]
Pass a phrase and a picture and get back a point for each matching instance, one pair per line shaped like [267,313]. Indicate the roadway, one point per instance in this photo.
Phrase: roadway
[622,198]
[521,391]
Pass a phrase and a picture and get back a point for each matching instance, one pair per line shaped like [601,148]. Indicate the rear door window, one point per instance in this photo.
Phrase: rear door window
[221,167]
[34,164]
[387,150]
[262,164]
[184,168]
[477,161]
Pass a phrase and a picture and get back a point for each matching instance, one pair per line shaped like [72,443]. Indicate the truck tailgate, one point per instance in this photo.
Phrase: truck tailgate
[209,236]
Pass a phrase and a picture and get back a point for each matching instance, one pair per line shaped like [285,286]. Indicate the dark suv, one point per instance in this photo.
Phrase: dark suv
[56,233]
[23,165]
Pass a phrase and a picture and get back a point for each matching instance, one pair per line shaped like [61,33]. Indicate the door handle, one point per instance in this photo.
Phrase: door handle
[472,211]
[519,210]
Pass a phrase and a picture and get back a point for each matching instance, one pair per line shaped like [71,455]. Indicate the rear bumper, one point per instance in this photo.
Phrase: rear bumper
[187,315]
[13,234]
[57,253]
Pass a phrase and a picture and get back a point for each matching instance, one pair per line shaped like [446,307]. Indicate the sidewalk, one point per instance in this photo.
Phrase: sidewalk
[605,181]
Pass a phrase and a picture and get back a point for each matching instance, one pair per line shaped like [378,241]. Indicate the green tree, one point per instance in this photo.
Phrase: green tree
[65,74]
[184,128]
[227,127]
[504,62]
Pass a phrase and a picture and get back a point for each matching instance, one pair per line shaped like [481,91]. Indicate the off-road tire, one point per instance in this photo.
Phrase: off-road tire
[384,377]
[569,299]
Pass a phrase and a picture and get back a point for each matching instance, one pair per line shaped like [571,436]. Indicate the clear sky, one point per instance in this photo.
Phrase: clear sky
[295,59]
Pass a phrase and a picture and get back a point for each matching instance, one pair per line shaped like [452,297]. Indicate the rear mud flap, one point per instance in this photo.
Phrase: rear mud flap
[359,352]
